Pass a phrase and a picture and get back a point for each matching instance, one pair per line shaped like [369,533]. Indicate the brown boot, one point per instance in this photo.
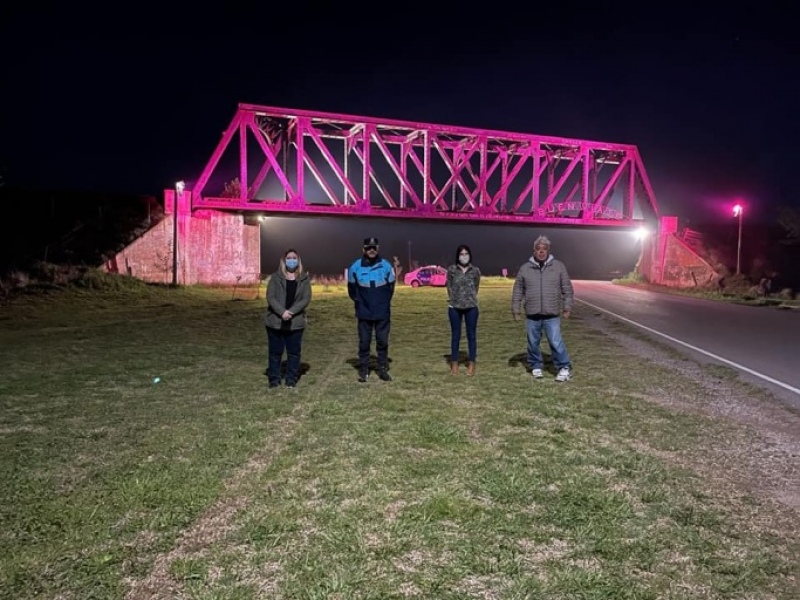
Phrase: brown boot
[471,369]
[454,368]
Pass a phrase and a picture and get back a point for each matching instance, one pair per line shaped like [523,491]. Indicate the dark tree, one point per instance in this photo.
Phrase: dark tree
[789,220]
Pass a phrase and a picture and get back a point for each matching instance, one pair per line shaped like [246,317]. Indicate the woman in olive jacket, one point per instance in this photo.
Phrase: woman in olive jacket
[288,295]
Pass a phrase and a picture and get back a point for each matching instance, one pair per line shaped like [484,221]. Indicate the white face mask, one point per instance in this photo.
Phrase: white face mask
[464,259]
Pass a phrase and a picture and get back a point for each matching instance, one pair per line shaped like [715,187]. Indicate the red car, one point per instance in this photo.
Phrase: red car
[430,275]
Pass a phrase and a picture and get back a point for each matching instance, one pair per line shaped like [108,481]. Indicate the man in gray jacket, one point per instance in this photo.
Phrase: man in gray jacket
[544,291]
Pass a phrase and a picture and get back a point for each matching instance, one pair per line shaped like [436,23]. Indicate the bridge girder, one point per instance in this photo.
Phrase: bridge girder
[306,162]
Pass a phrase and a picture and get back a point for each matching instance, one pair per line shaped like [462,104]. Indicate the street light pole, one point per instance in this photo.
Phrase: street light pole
[737,212]
[410,266]
[179,187]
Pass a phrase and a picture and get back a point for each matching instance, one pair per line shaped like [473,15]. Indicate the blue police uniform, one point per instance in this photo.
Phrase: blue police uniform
[370,284]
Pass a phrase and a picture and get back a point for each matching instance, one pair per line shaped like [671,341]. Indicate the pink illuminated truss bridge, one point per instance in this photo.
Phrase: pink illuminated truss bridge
[305,162]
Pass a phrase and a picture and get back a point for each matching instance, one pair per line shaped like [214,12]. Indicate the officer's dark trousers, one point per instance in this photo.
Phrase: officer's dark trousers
[365,328]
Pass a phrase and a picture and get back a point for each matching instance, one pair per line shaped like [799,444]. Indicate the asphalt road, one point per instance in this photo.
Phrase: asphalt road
[762,343]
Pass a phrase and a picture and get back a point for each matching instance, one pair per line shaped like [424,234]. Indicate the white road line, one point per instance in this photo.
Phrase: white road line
[785,386]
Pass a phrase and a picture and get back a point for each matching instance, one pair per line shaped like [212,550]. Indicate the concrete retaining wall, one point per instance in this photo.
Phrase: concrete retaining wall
[214,248]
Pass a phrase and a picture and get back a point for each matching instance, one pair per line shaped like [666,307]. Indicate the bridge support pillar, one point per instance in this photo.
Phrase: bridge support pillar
[667,260]
[652,260]
[214,248]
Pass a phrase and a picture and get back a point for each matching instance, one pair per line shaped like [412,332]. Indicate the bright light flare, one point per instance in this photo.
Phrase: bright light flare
[738,210]
[641,233]
[180,186]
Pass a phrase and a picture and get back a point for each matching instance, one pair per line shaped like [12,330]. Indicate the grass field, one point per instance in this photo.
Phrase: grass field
[206,485]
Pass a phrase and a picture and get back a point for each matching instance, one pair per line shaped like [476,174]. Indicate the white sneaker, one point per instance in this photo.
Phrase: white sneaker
[537,373]
[564,374]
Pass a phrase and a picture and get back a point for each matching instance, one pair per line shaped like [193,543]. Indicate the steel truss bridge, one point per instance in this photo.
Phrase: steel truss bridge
[306,162]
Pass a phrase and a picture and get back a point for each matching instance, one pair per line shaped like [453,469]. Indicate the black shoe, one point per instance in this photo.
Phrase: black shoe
[291,384]
[362,375]
[274,384]
[383,374]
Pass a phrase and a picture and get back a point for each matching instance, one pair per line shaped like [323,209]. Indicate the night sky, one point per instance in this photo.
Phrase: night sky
[130,100]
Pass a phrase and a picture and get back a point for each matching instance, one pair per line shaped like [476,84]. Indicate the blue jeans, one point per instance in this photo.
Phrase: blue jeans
[279,340]
[552,330]
[470,317]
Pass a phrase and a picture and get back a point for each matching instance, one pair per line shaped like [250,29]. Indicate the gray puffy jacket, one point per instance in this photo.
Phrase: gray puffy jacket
[542,291]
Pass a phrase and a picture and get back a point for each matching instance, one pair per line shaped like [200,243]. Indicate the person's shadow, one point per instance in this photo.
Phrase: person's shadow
[463,358]
[373,362]
[304,368]
[522,359]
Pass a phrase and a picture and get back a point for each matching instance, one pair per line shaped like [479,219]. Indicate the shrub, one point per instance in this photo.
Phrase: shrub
[97,279]
[632,277]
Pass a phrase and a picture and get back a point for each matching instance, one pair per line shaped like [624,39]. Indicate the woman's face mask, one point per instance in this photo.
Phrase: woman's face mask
[291,264]
[463,259]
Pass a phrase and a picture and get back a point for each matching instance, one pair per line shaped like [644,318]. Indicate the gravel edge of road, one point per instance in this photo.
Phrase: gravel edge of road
[765,461]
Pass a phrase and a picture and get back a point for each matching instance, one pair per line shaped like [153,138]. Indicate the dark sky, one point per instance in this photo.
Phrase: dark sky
[129,99]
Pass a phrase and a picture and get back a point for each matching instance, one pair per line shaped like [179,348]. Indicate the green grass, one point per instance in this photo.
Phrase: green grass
[206,485]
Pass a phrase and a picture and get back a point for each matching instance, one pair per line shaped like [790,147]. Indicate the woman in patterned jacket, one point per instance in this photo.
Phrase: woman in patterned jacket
[463,281]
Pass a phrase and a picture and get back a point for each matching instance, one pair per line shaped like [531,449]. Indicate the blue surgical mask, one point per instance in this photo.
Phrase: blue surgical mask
[291,264]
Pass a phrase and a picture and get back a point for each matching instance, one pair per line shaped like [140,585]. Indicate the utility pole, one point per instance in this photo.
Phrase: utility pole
[737,212]
[179,187]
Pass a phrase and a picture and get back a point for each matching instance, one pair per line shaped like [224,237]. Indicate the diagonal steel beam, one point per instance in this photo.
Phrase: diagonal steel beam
[306,128]
[227,136]
[480,188]
[273,162]
[375,136]
[369,174]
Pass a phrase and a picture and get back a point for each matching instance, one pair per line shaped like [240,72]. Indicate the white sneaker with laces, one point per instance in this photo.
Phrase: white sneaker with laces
[564,374]
[537,373]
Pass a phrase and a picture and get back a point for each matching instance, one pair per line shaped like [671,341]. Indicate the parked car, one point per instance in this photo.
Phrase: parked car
[428,275]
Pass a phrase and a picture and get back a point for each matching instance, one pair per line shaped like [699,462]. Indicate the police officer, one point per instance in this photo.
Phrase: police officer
[370,284]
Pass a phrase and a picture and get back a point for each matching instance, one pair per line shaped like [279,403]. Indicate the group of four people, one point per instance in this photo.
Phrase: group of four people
[542,292]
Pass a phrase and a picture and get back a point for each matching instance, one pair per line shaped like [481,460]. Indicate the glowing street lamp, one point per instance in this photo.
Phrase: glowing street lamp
[738,210]
[641,233]
[179,187]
